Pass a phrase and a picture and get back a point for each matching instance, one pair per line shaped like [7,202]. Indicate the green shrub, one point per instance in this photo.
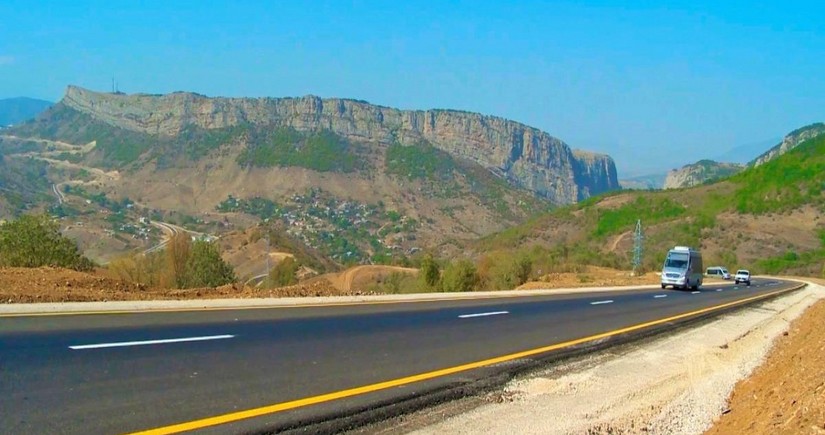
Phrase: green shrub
[206,268]
[505,271]
[35,241]
[430,272]
[459,276]
[284,273]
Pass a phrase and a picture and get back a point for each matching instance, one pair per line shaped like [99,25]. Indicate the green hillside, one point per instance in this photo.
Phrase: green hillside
[23,185]
[765,218]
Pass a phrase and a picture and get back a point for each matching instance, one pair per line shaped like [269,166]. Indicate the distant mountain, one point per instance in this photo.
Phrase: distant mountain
[703,171]
[354,180]
[736,159]
[789,142]
[745,153]
[644,182]
[17,110]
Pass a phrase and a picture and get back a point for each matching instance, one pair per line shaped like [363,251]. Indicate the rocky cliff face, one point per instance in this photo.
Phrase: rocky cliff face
[526,156]
[700,172]
[790,141]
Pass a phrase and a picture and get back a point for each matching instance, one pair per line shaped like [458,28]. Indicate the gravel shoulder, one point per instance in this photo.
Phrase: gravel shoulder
[786,394]
[675,384]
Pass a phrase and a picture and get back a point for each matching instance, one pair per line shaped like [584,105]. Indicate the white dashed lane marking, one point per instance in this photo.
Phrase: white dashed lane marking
[491,313]
[149,342]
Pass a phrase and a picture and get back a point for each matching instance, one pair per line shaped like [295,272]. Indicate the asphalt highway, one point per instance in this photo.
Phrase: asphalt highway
[229,371]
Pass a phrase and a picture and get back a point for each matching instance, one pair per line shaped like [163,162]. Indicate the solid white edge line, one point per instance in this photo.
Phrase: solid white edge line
[491,313]
[609,301]
[660,296]
[148,342]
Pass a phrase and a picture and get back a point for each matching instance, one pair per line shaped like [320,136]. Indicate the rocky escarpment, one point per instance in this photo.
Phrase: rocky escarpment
[789,142]
[700,172]
[527,157]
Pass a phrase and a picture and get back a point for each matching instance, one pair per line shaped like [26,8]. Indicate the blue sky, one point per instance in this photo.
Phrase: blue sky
[655,85]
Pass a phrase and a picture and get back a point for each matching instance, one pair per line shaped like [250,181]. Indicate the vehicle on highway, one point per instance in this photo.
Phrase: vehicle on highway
[718,272]
[683,268]
[743,276]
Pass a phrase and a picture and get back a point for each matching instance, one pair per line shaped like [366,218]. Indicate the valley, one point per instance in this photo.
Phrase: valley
[336,183]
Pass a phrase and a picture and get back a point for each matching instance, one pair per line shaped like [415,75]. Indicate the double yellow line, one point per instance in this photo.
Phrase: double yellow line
[314,400]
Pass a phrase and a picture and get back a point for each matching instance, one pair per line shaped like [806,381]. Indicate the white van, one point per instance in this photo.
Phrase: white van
[717,272]
[683,268]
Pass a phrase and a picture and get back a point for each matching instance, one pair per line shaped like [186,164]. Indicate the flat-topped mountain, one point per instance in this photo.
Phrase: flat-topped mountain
[526,156]
[351,181]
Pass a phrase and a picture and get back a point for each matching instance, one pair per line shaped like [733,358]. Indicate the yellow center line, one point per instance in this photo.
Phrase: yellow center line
[314,400]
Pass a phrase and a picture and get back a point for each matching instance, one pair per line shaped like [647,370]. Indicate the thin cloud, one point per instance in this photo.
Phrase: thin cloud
[6,60]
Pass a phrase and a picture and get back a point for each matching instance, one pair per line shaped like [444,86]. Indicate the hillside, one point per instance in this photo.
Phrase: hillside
[16,110]
[525,156]
[22,184]
[352,182]
[790,141]
[705,171]
[701,172]
[768,218]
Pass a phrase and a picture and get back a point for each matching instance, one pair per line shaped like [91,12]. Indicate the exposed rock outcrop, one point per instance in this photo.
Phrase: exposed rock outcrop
[700,172]
[525,156]
[790,142]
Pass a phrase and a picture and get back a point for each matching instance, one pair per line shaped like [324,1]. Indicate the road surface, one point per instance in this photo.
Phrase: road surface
[227,371]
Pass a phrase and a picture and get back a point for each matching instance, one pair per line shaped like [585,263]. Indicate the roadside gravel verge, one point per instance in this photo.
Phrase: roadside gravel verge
[677,384]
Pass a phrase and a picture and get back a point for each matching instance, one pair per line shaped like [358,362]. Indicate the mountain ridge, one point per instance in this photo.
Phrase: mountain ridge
[528,157]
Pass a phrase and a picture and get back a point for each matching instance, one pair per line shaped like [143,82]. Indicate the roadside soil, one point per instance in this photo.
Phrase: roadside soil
[593,276]
[45,284]
[360,277]
[675,384]
[787,393]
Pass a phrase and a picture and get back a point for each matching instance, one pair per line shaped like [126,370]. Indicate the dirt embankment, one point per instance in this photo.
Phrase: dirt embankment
[590,276]
[24,285]
[359,277]
[45,284]
[786,395]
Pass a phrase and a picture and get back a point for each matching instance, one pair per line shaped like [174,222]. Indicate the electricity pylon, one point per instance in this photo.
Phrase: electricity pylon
[638,238]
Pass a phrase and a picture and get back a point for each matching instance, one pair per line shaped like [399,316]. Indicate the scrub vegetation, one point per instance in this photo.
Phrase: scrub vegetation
[322,151]
[183,264]
[35,241]
[601,226]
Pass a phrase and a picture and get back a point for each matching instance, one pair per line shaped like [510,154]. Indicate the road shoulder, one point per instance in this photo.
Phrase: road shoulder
[678,383]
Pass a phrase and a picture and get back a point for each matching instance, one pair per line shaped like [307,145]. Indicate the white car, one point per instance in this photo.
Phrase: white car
[742,275]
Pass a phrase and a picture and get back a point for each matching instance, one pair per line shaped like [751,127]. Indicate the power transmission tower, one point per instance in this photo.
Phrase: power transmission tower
[638,248]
